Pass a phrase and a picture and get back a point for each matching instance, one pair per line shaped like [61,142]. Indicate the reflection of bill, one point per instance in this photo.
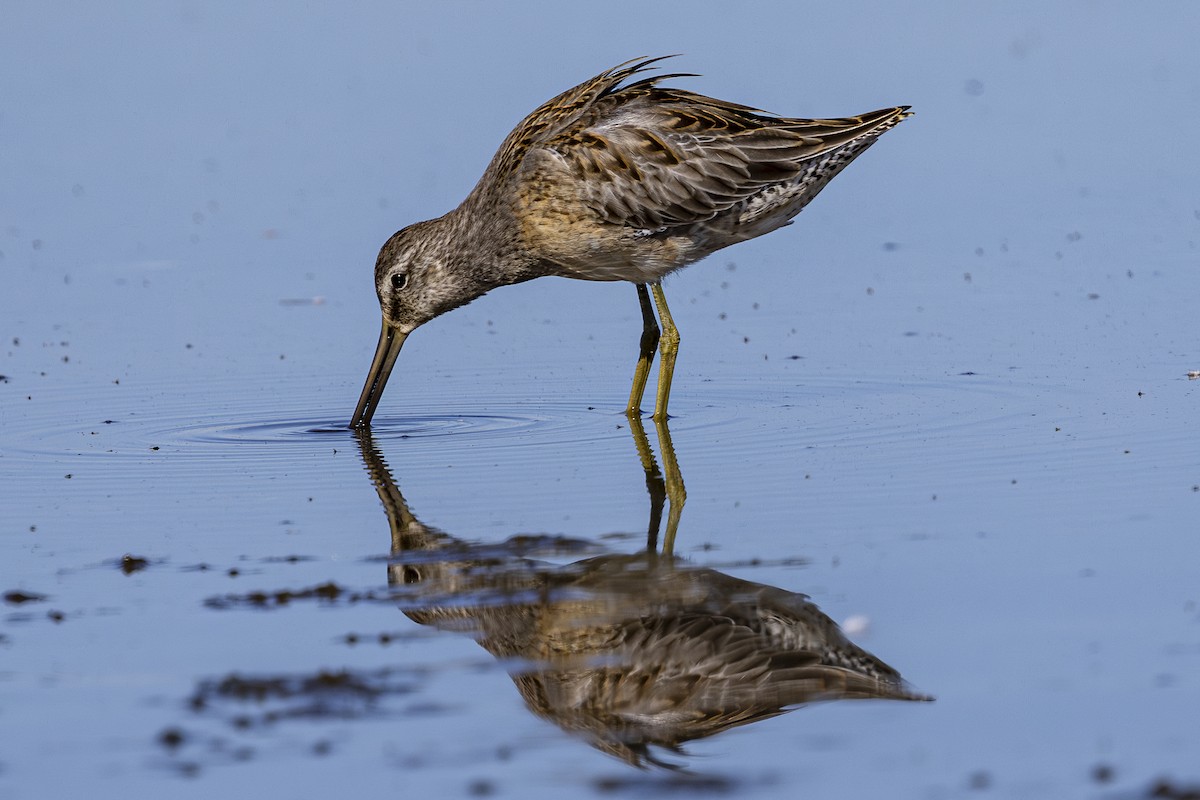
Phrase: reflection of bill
[628,651]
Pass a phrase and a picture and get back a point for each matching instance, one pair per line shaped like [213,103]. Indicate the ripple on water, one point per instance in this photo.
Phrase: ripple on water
[719,424]
[308,430]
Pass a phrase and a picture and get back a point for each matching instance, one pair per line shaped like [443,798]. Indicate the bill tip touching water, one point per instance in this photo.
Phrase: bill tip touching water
[612,180]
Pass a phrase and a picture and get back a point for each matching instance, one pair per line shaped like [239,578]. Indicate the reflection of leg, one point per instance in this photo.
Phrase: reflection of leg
[676,493]
[654,480]
[670,346]
[649,344]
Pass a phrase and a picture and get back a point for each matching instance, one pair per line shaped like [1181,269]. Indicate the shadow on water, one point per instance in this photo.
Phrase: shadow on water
[630,651]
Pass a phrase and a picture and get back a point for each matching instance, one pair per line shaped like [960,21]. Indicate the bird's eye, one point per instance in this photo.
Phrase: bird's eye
[399,280]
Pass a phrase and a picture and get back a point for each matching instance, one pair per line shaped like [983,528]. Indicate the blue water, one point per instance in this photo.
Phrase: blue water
[950,404]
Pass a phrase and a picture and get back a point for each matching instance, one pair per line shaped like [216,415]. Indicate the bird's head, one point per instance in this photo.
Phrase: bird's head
[418,276]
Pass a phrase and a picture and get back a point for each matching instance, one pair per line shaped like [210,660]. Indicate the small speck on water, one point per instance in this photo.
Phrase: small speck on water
[171,738]
[481,788]
[130,564]
[980,780]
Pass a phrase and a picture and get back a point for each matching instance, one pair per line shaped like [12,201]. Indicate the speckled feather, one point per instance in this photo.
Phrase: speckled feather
[618,180]
[615,179]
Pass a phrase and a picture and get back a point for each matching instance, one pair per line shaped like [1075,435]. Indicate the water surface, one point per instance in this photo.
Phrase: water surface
[947,411]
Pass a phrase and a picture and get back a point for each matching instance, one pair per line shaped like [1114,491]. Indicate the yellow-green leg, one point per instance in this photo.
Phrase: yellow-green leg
[669,347]
[649,344]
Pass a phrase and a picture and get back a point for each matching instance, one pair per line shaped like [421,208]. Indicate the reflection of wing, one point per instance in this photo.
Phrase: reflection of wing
[733,652]
[644,650]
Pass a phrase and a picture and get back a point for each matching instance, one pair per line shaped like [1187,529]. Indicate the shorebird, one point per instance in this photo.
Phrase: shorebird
[612,180]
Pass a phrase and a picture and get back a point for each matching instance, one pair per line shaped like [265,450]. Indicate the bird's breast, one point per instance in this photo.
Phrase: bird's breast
[556,226]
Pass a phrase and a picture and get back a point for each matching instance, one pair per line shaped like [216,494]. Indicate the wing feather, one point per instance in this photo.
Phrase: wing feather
[649,157]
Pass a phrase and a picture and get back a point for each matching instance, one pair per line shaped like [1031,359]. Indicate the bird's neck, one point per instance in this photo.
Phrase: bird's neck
[484,234]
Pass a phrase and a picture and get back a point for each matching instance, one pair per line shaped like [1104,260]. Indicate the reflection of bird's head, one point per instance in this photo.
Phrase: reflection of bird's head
[426,562]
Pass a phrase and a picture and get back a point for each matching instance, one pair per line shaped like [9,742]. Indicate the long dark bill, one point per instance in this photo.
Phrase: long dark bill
[390,342]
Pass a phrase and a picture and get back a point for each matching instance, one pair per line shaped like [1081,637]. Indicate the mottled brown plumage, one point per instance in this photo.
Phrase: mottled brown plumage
[612,180]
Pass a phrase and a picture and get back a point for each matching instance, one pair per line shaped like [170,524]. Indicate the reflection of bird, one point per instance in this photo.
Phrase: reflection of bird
[611,182]
[629,651]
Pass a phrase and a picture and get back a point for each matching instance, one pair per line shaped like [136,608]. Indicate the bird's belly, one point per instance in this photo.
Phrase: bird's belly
[602,252]
[603,267]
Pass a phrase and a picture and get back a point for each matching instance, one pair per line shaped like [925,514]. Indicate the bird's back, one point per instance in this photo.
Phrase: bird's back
[618,180]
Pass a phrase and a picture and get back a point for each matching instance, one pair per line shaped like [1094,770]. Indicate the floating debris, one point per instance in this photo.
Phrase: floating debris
[130,564]
[16,598]
[328,592]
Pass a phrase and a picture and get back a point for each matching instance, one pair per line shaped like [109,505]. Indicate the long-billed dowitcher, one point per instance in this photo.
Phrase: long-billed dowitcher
[612,181]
